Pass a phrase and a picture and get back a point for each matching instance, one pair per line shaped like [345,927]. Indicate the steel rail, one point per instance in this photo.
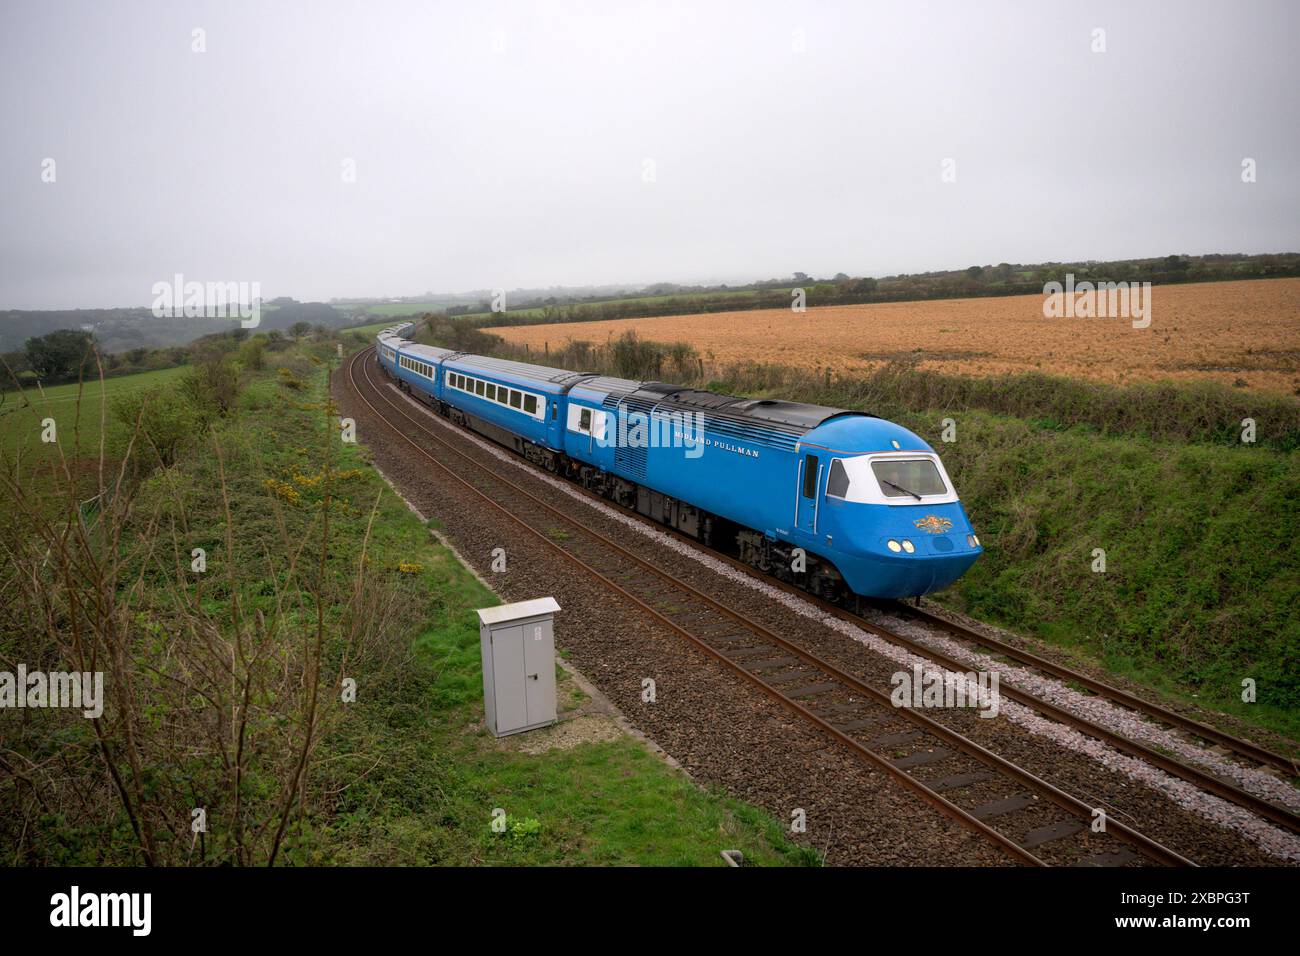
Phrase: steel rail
[1237,744]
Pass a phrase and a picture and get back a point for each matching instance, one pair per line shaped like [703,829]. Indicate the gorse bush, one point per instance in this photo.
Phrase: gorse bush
[152,426]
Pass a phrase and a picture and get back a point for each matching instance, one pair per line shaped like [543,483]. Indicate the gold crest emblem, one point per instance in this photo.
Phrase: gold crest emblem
[933,524]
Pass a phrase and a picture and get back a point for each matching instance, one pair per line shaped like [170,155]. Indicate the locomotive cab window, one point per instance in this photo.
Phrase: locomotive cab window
[908,478]
[584,421]
[837,485]
[810,476]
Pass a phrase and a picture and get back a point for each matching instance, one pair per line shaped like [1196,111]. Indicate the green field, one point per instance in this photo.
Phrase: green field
[370,329]
[21,413]
[406,308]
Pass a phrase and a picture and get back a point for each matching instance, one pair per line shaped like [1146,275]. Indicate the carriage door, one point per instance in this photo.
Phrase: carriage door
[805,509]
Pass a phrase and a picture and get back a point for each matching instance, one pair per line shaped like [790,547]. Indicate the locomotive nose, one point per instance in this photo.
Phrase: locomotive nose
[908,552]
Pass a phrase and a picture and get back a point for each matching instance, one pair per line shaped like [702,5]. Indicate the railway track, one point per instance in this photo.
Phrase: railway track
[1199,777]
[1245,749]
[1280,816]
[1203,779]
[1024,815]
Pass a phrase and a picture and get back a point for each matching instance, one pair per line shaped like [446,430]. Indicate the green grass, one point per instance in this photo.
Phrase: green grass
[20,425]
[1202,581]
[370,329]
[439,782]
[417,775]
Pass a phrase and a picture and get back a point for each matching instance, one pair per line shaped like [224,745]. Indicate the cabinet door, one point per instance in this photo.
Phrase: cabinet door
[539,671]
[508,674]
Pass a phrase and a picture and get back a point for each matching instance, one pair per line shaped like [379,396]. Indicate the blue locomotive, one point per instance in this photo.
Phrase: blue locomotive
[840,503]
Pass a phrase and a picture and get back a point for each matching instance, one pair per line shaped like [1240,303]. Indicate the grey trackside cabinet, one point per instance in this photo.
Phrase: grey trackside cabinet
[518,646]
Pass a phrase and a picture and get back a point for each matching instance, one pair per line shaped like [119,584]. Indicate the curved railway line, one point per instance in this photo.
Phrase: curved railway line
[999,800]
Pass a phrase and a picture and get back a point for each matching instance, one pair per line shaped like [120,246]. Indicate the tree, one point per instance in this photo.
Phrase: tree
[299,329]
[17,364]
[60,354]
[975,272]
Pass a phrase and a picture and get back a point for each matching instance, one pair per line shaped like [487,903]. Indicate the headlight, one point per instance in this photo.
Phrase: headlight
[909,547]
[893,546]
[972,540]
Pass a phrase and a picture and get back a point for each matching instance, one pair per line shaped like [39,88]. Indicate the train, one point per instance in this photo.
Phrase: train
[842,504]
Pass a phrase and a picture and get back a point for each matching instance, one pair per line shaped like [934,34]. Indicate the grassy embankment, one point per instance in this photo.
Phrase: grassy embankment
[1201,531]
[406,774]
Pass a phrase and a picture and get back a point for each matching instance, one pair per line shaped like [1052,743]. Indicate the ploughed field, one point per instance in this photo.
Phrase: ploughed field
[1238,333]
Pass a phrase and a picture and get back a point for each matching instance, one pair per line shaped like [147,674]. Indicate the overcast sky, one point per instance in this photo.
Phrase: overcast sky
[509,144]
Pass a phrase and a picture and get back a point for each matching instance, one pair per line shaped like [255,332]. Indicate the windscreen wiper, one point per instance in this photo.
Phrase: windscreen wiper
[886,481]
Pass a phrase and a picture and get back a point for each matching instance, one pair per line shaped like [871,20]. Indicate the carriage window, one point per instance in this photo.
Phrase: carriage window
[906,479]
[491,391]
[837,485]
[478,388]
[555,411]
[514,398]
[530,404]
[810,476]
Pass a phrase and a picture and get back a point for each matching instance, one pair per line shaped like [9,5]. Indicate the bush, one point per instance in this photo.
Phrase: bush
[168,422]
[213,383]
[252,354]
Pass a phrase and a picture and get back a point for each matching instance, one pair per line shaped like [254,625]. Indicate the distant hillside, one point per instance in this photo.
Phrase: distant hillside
[117,330]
